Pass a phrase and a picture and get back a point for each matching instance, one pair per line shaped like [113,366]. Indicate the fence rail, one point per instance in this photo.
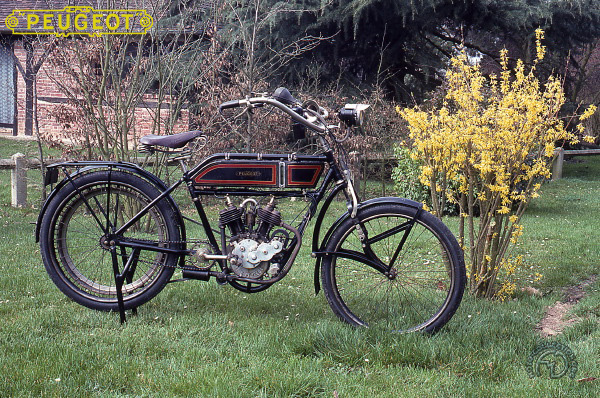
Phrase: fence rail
[559,159]
[18,165]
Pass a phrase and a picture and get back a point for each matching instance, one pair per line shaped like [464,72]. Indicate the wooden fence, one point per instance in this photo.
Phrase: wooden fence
[559,159]
[18,165]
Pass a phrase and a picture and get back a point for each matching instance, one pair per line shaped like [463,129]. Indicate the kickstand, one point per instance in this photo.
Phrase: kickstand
[129,279]
[119,285]
[127,274]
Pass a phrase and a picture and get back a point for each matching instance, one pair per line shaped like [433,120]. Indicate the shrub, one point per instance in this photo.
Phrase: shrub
[406,175]
[486,148]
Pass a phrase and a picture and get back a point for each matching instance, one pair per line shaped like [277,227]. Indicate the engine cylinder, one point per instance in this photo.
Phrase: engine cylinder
[268,217]
[232,218]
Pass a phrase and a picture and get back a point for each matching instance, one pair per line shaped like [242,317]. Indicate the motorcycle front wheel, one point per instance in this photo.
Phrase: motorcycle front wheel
[399,269]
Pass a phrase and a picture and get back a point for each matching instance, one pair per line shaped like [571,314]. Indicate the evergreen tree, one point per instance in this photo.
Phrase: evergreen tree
[404,44]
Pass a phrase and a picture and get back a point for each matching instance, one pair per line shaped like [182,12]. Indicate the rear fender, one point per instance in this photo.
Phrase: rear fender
[361,207]
[83,168]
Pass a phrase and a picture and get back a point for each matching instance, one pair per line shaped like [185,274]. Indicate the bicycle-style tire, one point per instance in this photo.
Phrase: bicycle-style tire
[74,246]
[423,288]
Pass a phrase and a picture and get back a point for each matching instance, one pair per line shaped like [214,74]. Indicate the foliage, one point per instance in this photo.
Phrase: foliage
[256,55]
[406,175]
[494,137]
[583,71]
[419,37]
[204,53]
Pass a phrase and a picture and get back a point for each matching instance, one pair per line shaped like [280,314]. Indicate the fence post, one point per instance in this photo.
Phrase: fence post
[355,168]
[18,181]
[557,164]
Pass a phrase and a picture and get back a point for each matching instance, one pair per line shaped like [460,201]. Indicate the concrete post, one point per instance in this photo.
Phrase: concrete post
[18,181]
[557,164]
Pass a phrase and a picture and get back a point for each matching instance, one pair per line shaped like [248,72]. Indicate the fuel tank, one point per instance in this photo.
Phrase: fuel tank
[259,170]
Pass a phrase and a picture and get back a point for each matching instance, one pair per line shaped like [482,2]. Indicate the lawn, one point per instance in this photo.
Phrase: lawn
[200,339]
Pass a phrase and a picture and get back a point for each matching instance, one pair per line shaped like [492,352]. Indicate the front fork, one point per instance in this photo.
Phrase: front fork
[366,241]
[319,248]
[351,195]
[363,236]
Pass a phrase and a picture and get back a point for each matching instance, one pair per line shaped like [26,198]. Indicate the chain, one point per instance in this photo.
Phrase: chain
[170,241]
[194,242]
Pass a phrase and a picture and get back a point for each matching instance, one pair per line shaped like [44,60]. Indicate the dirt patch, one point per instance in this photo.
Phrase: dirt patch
[554,320]
[575,293]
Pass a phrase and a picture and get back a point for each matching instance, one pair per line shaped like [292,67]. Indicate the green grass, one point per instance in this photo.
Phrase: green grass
[29,148]
[201,339]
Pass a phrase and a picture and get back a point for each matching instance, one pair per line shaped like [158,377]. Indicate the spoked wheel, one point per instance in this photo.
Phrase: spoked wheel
[75,240]
[395,272]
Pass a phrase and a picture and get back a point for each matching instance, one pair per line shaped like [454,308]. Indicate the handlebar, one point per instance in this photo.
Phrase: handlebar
[249,102]
[295,116]
[229,105]
[351,115]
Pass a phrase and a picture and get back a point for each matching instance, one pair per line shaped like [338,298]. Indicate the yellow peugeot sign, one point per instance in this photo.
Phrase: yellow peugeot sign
[79,21]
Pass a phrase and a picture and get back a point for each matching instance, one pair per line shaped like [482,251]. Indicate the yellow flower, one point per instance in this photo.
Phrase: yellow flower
[589,112]
[504,210]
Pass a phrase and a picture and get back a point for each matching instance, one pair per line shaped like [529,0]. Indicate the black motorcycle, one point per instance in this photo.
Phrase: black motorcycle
[111,234]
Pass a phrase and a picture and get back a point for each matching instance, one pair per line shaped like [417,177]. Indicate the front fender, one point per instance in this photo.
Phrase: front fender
[85,167]
[361,207]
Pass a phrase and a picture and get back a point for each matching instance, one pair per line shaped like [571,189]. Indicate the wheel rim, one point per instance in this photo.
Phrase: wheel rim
[84,259]
[416,291]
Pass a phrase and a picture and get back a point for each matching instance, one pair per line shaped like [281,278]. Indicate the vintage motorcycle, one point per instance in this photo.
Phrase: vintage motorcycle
[111,234]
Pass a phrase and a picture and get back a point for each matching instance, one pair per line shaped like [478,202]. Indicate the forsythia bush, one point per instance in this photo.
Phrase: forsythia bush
[487,149]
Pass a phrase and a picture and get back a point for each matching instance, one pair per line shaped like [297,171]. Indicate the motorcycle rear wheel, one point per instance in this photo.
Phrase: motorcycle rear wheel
[73,239]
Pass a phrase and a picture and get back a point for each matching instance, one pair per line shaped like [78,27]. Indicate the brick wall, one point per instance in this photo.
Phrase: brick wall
[50,98]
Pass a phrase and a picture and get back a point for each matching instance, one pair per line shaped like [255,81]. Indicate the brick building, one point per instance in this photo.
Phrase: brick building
[23,60]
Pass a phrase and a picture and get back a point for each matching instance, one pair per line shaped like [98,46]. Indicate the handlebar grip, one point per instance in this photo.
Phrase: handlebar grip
[229,105]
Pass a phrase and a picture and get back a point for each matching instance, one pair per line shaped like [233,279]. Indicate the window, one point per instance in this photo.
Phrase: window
[7,86]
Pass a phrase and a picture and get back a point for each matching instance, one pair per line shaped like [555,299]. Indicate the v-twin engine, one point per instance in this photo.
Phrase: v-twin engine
[255,247]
